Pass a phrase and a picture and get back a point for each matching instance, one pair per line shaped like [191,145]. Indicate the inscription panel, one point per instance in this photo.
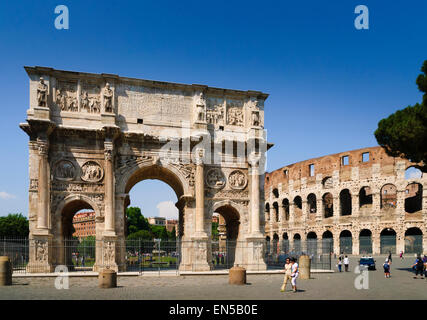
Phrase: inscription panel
[154,104]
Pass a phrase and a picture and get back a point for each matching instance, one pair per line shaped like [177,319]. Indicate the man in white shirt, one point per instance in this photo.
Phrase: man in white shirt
[346,263]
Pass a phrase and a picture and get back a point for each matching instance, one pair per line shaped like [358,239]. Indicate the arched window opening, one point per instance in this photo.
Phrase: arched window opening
[388,196]
[285,204]
[365,197]
[345,202]
[414,241]
[328,205]
[365,242]
[276,211]
[311,202]
[388,241]
[413,197]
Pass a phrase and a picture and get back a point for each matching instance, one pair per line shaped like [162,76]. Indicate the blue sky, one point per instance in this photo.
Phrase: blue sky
[329,83]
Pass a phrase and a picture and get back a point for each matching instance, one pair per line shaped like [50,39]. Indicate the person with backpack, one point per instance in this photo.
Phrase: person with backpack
[386,267]
[419,268]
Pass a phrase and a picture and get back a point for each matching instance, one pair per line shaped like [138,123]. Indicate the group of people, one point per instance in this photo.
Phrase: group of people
[420,266]
[343,260]
[291,274]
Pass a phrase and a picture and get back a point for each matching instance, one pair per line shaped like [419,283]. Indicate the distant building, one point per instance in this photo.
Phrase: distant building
[215,219]
[157,221]
[84,224]
[170,224]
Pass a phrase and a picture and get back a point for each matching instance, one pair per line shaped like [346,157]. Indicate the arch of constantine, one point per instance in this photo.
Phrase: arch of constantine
[92,137]
[361,201]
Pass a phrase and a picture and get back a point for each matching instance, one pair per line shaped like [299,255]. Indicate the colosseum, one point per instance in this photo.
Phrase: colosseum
[356,202]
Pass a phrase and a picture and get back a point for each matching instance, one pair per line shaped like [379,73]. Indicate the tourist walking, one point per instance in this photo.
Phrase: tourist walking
[401,255]
[288,272]
[419,268]
[389,257]
[346,263]
[294,274]
[339,264]
[386,267]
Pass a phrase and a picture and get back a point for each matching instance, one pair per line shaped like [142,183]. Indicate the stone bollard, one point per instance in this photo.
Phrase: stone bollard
[237,275]
[5,271]
[304,265]
[107,278]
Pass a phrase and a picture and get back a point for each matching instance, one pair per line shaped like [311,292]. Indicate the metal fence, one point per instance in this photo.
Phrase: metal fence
[141,256]
[320,252]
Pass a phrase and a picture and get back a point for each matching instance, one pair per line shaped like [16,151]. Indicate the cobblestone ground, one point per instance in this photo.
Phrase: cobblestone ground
[322,286]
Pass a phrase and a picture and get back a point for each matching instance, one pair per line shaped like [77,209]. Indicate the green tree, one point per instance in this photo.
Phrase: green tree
[87,246]
[157,231]
[140,235]
[14,225]
[164,234]
[215,231]
[172,234]
[135,220]
[404,133]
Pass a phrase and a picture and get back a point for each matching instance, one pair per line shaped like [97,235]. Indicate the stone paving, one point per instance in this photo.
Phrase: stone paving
[322,286]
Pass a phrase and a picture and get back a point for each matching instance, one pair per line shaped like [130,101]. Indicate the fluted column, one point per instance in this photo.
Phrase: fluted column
[109,188]
[255,198]
[200,196]
[43,186]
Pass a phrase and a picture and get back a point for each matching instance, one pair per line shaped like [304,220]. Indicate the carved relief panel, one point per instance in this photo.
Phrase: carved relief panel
[66,96]
[215,178]
[215,111]
[92,172]
[235,115]
[90,97]
[64,170]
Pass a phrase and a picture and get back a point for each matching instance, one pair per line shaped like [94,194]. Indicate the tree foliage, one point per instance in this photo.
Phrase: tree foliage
[140,235]
[14,225]
[404,133]
[135,220]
